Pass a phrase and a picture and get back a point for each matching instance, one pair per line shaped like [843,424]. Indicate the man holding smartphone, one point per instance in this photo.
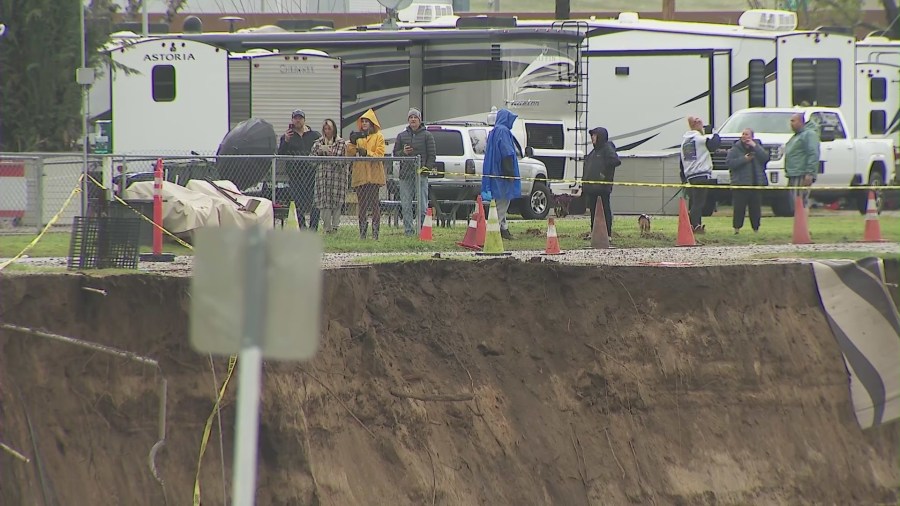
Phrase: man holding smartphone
[298,140]
[415,140]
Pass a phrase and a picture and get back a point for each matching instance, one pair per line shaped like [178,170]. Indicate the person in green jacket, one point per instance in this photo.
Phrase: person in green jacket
[801,157]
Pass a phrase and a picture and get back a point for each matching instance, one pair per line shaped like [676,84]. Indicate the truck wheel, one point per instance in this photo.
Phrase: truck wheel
[781,204]
[876,178]
[537,205]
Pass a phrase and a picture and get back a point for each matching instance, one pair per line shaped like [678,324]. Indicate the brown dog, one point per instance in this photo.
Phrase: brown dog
[644,223]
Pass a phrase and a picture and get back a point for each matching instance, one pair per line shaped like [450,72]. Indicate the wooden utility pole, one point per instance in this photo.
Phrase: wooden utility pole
[668,9]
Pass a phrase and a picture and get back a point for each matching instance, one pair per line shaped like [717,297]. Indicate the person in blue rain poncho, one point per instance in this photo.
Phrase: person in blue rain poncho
[501,181]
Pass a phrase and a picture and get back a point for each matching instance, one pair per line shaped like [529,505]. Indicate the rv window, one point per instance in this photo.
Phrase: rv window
[877,122]
[756,83]
[351,82]
[816,81]
[878,89]
[163,83]
[545,135]
[829,121]
[478,137]
[448,143]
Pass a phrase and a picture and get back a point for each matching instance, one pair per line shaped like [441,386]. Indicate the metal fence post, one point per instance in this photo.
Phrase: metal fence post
[420,199]
[274,162]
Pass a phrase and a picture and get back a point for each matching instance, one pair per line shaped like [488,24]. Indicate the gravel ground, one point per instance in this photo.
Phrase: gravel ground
[675,257]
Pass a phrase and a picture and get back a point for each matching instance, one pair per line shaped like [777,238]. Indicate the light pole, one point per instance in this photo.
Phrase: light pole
[81,76]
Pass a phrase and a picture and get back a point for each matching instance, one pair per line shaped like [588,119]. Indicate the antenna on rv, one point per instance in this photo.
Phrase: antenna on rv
[392,6]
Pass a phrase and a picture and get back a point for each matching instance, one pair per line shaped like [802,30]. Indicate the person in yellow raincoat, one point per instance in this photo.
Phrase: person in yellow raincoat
[368,177]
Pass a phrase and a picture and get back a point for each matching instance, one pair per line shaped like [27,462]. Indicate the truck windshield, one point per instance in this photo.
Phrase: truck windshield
[759,122]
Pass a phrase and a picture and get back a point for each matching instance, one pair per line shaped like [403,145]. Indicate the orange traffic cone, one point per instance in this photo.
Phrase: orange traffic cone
[873,228]
[552,239]
[599,235]
[425,233]
[470,240]
[481,231]
[685,231]
[801,229]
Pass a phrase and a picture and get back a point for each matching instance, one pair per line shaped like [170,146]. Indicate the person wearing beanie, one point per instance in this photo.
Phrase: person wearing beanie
[298,140]
[599,168]
[415,140]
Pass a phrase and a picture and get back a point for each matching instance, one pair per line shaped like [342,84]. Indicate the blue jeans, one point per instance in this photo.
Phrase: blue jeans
[415,187]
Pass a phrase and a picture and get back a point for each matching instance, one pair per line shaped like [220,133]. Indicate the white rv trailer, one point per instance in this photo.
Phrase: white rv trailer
[878,88]
[181,95]
[645,76]
[175,101]
[458,75]
[269,86]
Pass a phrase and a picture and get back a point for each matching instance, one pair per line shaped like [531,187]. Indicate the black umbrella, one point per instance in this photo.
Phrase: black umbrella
[251,137]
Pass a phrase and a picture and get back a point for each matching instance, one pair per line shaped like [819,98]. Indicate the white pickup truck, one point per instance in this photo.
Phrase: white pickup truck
[844,161]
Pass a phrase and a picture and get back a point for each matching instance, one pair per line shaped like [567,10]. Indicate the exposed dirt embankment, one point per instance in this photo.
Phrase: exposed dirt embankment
[538,384]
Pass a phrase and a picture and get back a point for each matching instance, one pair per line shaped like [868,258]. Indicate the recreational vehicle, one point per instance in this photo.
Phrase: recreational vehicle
[172,99]
[878,88]
[175,96]
[643,77]
[458,76]
[268,86]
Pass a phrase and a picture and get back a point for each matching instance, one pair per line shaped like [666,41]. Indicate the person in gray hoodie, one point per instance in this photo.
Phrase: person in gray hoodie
[696,168]
[414,140]
[747,161]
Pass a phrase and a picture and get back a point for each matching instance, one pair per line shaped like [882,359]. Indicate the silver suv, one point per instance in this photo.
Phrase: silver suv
[460,149]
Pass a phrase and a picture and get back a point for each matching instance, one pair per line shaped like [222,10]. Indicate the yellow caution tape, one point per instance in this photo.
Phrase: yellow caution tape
[208,428]
[49,224]
[681,185]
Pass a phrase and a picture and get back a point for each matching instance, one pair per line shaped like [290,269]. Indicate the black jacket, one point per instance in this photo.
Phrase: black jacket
[600,165]
[300,144]
[748,172]
[422,143]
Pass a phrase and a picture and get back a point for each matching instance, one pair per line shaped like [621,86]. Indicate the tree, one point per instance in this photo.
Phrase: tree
[40,103]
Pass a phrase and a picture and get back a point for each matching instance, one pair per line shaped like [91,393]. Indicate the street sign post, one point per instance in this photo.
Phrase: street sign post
[256,293]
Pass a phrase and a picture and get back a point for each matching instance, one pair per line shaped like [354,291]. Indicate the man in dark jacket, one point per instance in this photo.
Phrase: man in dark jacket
[747,161]
[298,140]
[414,141]
[600,165]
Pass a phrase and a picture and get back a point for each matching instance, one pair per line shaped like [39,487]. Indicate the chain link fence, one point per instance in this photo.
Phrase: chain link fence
[328,192]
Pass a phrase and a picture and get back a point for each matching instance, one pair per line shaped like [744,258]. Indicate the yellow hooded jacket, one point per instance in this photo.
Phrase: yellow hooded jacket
[368,172]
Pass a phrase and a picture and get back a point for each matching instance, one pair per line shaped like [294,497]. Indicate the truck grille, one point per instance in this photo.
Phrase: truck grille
[720,155]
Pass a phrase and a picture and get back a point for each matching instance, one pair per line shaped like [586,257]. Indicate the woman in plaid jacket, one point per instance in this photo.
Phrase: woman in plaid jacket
[332,178]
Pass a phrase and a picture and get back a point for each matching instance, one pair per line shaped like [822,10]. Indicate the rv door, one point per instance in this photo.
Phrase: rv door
[720,87]
[817,69]
[878,101]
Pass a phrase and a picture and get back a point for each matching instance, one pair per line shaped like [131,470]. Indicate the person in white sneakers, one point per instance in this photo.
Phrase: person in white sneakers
[696,168]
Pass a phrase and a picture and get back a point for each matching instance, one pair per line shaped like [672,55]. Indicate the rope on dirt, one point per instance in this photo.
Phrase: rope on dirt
[208,427]
[128,355]
[49,224]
